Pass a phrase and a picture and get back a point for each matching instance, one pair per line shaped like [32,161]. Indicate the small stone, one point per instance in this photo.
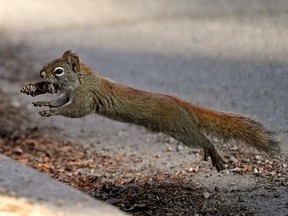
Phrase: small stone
[179,148]
[169,148]
[258,157]
[255,171]
[206,195]
[157,156]
[18,150]
[193,169]
[217,189]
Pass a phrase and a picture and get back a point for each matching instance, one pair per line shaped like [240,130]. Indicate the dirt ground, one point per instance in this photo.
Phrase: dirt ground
[130,181]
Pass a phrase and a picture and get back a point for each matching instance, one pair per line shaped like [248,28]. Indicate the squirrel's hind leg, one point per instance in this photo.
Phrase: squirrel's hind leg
[196,138]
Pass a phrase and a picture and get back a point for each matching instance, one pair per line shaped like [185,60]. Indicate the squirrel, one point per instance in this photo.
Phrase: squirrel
[84,91]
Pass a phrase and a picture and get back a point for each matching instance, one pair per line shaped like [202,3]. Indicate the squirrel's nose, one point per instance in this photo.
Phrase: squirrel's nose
[42,74]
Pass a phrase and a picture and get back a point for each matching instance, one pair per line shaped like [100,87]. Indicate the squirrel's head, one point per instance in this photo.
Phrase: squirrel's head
[63,72]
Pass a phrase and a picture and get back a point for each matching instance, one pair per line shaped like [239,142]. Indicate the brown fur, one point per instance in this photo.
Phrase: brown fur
[229,126]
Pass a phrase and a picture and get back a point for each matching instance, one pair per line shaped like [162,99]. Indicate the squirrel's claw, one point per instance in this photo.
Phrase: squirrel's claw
[46,113]
[219,164]
[41,103]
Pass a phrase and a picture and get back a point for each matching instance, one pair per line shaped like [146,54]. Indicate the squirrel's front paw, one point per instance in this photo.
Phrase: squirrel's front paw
[47,113]
[41,103]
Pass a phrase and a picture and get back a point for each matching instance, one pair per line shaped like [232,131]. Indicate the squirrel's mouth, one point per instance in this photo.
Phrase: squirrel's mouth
[47,87]
[50,87]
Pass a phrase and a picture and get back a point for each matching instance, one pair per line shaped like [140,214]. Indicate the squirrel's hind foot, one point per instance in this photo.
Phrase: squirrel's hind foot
[217,160]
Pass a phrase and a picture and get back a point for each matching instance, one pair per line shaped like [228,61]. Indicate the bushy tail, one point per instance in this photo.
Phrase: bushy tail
[229,126]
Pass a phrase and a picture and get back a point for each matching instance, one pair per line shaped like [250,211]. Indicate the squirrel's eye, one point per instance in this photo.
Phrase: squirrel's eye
[58,71]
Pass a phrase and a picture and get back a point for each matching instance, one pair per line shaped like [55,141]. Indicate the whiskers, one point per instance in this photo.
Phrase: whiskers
[37,68]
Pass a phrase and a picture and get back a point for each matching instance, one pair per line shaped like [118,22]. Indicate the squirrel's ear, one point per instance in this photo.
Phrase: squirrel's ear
[72,59]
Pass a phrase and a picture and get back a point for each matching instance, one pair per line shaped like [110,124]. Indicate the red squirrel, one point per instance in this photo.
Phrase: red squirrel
[84,91]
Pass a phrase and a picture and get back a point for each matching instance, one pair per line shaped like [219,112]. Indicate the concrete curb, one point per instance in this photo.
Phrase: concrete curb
[24,182]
